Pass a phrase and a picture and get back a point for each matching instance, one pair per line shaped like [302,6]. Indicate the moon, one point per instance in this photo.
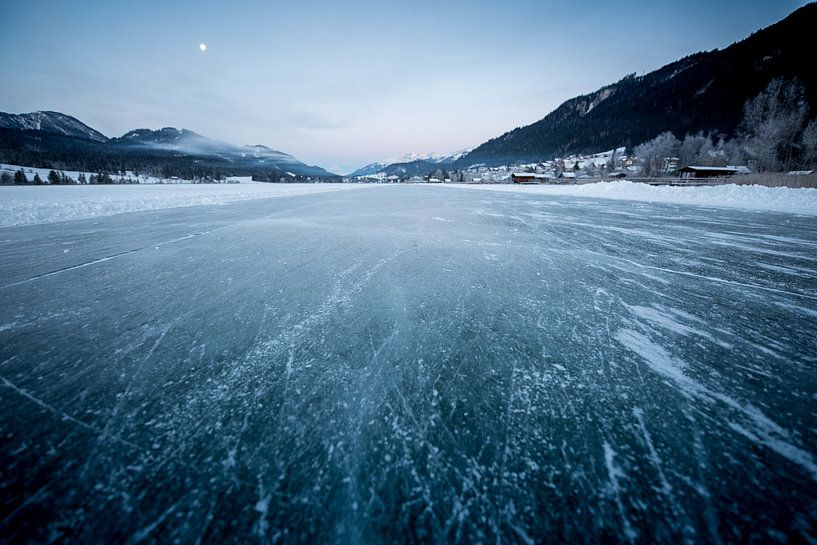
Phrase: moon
[203,46]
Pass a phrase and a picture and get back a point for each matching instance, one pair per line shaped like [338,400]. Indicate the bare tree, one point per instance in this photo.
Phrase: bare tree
[694,150]
[771,122]
[729,152]
[808,143]
[613,162]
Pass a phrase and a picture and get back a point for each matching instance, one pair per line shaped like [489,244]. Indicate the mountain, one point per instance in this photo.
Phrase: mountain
[702,92]
[55,140]
[411,164]
[192,144]
[51,122]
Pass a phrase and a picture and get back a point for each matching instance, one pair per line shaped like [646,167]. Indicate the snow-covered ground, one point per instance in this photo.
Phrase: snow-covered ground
[749,197]
[21,205]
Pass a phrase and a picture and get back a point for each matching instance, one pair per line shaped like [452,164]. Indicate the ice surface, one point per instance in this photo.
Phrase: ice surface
[411,364]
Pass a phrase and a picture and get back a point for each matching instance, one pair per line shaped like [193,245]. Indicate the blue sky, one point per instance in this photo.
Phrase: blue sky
[344,83]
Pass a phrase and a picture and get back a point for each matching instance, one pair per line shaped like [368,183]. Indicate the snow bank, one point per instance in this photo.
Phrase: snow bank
[43,204]
[749,197]
[21,205]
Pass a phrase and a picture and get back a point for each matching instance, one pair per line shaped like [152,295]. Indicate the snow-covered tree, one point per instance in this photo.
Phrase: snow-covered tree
[693,150]
[808,143]
[729,152]
[771,122]
[654,153]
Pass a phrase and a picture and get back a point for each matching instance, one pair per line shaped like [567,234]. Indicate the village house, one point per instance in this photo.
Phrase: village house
[528,177]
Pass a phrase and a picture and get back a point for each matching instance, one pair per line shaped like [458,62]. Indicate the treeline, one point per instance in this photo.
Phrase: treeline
[60,178]
[774,135]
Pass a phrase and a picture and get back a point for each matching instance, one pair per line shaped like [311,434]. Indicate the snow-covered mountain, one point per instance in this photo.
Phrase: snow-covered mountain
[703,92]
[263,153]
[168,138]
[51,137]
[51,122]
[409,163]
[189,143]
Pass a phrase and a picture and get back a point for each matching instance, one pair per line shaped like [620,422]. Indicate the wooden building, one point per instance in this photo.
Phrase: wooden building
[528,178]
[710,172]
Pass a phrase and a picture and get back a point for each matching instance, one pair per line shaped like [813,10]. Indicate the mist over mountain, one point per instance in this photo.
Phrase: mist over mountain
[702,92]
[52,139]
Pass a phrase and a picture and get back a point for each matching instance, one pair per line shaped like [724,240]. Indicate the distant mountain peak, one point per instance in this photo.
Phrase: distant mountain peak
[51,122]
[260,147]
[166,136]
[409,164]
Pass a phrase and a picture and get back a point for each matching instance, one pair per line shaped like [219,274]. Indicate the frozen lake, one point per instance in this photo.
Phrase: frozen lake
[410,364]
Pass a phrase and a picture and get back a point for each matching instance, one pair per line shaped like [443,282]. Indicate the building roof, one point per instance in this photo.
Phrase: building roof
[693,168]
[529,175]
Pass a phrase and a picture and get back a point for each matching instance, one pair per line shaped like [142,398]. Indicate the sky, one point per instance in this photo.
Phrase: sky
[345,83]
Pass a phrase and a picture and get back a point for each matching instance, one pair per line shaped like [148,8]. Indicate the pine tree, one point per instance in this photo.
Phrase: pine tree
[20,177]
[6,178]
[81,178]
[54,178]
[37,179]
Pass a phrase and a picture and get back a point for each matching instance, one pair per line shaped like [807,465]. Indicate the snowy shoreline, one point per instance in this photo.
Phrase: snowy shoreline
[746,197]
[29,205]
